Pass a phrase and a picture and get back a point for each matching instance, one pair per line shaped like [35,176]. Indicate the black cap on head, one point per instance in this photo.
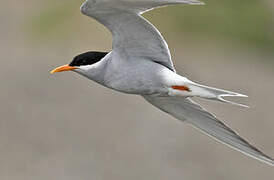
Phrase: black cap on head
[88,58]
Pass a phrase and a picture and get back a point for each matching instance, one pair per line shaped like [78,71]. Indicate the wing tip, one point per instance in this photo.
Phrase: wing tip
[84,8]
[194,2]
[263,159]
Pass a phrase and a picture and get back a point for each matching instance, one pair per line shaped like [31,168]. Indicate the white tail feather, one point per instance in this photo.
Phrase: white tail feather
[220,98]
[215,94]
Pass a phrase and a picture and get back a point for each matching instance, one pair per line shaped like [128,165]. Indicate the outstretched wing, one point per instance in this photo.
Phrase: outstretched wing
[186,110]
[133,35]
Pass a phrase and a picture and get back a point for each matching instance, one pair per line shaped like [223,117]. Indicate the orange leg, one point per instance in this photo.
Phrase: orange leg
[181,88]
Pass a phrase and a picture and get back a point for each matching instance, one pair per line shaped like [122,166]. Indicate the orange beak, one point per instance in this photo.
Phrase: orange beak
[63,68]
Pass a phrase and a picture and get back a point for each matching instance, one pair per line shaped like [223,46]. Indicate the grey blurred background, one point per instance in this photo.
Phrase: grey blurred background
[65,127]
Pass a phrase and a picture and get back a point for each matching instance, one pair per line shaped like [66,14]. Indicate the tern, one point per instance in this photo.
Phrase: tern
[140,63]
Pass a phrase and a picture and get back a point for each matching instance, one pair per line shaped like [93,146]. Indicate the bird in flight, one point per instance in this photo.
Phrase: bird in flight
[140,63]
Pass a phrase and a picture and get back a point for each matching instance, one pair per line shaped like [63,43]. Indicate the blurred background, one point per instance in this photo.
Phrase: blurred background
[64,127]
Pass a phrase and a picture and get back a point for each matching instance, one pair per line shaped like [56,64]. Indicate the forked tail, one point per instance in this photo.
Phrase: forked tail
[214,93]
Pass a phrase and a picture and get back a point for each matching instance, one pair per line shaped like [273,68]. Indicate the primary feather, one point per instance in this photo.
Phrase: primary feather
[188,111]
[132,34]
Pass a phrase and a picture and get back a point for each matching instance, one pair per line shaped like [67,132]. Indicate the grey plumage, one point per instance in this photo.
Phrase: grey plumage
[140,63]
